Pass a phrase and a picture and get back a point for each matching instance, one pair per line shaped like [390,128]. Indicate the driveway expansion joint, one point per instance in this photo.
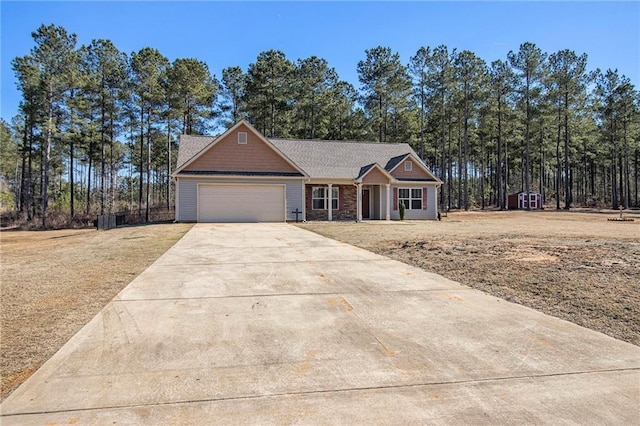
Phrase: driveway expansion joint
[329,391]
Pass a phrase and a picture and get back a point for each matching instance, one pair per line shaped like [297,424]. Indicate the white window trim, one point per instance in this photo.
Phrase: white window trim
[313,190]
[242,138]
[408,166]
[326,197]
[411,198]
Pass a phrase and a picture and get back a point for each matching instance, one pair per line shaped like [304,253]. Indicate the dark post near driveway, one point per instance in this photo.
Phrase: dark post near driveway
[296,212]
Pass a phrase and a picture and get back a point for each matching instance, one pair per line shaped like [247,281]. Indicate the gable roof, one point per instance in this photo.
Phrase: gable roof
[317,159]
[395,162]
[196,146]
[375,166]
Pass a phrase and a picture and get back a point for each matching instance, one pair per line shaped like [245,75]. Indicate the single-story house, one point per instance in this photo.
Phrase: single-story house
[520,201]
[242,176]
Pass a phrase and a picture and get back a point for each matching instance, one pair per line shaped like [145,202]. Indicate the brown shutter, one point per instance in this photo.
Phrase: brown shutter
[424,198]
[395,198]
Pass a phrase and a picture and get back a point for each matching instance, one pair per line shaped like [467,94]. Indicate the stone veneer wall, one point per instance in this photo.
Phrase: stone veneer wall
[347,204]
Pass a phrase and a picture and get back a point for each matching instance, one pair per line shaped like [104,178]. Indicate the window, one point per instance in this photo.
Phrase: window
[320,197]
[411,198]
[408,166]
[242,138]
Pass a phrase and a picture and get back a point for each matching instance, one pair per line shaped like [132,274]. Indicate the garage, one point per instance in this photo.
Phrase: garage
[241,203]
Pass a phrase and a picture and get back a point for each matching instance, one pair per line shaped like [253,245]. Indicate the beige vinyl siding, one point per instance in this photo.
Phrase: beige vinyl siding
[375,176]
[415,173]
[228,155]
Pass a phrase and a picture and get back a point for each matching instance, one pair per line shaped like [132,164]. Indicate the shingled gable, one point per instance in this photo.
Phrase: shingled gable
[393,167]
[375,174]
[225,155]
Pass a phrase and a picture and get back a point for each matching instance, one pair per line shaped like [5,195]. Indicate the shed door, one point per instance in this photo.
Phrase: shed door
[241,203]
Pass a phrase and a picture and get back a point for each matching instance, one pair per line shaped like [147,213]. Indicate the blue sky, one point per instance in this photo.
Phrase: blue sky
[233,33]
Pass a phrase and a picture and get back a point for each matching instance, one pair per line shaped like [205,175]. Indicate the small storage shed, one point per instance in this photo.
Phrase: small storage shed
[520,201]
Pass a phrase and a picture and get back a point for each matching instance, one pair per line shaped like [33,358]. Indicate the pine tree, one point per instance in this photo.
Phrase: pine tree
[233,92]
[528,63]
[268,94]
[386,86]
[53,56]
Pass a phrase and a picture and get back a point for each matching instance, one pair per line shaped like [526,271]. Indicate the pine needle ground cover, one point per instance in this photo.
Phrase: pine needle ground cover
[54,282]
[573,265]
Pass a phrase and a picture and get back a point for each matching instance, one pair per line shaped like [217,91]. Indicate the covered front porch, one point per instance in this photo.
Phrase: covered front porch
[350,201]
[374,202]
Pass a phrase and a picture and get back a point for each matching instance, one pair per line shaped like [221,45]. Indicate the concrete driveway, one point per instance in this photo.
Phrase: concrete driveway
[269,323]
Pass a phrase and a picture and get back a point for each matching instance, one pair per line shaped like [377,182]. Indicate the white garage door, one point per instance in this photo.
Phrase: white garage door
[241,203]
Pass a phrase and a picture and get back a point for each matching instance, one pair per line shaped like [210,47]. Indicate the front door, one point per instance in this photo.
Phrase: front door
[365,204]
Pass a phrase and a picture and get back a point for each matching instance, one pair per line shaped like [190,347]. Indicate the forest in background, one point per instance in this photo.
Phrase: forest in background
[97,129]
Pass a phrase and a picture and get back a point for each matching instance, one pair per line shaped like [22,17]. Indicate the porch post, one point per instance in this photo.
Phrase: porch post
[359,203]
[388,213]
[329,207]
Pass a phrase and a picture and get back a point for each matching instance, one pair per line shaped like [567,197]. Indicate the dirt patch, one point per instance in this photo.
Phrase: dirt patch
[575,266]
[54,282]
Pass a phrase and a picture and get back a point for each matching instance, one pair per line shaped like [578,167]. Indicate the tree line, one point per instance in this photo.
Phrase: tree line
[97,129]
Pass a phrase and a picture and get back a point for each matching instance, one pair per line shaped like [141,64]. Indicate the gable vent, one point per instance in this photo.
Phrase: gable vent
[408,166]
[242,138]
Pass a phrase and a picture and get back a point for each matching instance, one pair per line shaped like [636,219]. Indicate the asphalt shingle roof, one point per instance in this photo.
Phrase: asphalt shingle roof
[319,159]
[339,159]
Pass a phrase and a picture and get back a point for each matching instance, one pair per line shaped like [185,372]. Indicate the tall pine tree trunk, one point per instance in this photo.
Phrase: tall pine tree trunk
[460,174]
[627,191]
[450,169]
[499,162]
[542,171]
[103,182]
[568,181]
[636,165]
[168,164]
[71,158]
[141,162]
[23,171]
[507,170]
[558,163]
[482,164]
[466,155]
[527,160]
[112,166]
[146,215]
[47,159]
[443,164]
[90,155]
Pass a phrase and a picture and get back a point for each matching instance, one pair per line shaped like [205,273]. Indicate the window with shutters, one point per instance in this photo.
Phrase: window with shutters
[411,198]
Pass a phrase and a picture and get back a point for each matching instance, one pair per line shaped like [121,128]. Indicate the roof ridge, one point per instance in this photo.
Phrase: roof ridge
[337,141]
[199,136]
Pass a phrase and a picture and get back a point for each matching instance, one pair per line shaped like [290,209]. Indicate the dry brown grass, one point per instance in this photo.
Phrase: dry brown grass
[54,282]
[574,265]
